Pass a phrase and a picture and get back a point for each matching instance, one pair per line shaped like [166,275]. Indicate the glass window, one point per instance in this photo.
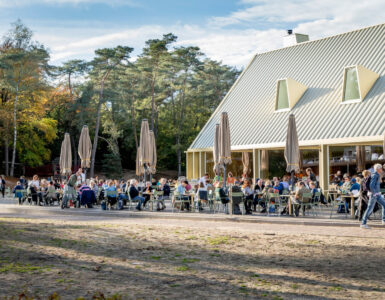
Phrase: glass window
[282,97]
[351,89]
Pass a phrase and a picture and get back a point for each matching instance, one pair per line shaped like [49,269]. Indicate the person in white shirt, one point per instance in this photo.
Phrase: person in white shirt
[204,180]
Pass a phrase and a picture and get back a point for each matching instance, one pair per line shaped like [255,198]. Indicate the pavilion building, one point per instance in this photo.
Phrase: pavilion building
[334,86]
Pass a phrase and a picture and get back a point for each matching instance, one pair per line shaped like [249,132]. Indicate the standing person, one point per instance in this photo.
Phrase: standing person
[2,185]
[374,197]
[69,192]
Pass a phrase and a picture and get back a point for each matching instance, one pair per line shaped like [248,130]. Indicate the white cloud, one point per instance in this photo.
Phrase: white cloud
[234,45]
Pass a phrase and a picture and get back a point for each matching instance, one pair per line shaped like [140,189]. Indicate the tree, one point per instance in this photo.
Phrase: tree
[154,53]
[25,63]
[106,60]
[69,69]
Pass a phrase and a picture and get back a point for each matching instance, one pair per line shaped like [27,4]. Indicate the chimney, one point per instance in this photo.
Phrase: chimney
[294,38]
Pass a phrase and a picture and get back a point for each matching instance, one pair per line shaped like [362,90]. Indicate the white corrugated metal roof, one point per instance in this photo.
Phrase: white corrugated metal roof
[319,113]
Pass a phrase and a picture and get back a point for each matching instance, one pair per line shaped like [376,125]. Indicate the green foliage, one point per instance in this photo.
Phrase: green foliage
[176,88]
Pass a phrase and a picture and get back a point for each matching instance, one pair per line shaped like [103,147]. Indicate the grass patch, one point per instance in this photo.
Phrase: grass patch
[189,260]
[336,288]
[20,268]
[155,257]
[220,240]
[294,286]
[254,275]
[191,237]
[313,242]
[243,289]
[183,268]
[215,254]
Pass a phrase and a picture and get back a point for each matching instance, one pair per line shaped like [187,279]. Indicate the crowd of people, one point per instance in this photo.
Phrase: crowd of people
[77,190]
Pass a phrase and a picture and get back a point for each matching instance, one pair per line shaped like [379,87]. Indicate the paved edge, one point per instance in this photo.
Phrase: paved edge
[8,211]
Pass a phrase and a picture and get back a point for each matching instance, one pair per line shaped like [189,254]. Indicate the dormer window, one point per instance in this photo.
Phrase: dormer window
[351,88]
[282,96]
[358,81]
[288,92]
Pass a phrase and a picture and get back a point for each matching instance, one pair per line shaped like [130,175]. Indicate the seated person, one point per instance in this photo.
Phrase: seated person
[201,193]
[221,193]
[181,189]
[134,193]
[17,191]
[301,189]
[355,185]
[249,195]
[111,189]
[278,187]
[52,195]
[163,186]
[146,192]
[258,198]
[187,186]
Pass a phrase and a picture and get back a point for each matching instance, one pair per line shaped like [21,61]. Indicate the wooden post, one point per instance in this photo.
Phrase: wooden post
[324,167]
[195,160]
[256,164]
[189,165]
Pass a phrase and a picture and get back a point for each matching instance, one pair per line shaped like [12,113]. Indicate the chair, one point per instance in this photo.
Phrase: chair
[202,198]
[131,201]
[218,202]
[306,201]
[178,198]
[240,196]
[337,201]
[155,198]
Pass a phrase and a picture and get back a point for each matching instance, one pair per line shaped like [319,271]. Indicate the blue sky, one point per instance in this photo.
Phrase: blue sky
[226,30]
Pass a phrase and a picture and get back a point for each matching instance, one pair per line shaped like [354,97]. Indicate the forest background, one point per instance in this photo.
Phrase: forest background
[176,88]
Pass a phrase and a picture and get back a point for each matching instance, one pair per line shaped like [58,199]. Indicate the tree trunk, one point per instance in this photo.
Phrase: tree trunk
[179,156]
[97,126]
[14,130]
[133,121]
[6,152]
[75,153]
[153,104]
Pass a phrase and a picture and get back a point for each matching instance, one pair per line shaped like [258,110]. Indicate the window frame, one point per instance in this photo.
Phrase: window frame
[276,96]
[343,101]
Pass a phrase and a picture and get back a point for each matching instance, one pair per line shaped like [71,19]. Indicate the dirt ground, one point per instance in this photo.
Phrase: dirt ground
[161,259]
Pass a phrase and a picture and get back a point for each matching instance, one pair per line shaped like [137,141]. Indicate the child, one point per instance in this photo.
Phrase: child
[17,191]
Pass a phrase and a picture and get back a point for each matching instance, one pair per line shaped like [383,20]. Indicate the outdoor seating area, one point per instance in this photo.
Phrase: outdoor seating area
[279,197]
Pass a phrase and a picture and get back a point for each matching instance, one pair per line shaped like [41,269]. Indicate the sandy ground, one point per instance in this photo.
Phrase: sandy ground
[146,258]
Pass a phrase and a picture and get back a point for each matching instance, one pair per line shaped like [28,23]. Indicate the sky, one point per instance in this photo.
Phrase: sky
[230,31]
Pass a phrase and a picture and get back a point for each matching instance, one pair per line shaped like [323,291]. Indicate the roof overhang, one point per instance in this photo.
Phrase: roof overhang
[311,144]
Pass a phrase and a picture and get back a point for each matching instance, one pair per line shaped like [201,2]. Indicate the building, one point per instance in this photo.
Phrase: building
[334,86]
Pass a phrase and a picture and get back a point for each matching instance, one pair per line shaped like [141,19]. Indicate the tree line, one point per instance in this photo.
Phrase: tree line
[176,87]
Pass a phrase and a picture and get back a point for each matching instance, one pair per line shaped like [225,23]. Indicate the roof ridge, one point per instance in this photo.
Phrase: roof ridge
[323,38]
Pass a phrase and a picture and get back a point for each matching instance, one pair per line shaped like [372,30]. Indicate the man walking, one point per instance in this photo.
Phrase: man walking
[374,196]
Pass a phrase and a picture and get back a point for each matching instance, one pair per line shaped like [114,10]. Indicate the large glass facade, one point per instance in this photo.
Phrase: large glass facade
[282,95]
[351,89]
